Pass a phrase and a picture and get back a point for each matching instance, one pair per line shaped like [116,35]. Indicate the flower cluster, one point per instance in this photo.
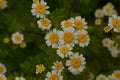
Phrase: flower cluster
[114,76]
[2,72]
[107,10]
[112,47]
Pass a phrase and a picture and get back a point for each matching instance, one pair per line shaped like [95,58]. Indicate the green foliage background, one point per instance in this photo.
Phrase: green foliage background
[23,61]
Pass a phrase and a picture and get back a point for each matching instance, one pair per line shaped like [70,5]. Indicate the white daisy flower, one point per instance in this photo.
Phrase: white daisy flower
[17,38]
[40,9]
[107,10]
[82,38]
[76,63]
[99,13]
[53,38]
[79,23]
[67,24]
[106,42]
[101,77]
[44,24]
[40,68]
[114,12]
[114,53]
[2,69]
[20,78]
[67,37]
[54,75]
[58,66]
[111,77]
[2,77]
[64,50]
[3,4]
[116,73]
[114,22]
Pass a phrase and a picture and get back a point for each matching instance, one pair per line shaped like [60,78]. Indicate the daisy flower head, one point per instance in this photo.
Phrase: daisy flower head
[54,75]
[114,12]
[44,24]
[53,38]
[114,52]
[20,78]
[40,9]
[106,42]
[64,50]
[2,69]
[3,4]
[67,37]
[67,24]
[116,73]
[107,10]
[2,77]
[101,77]
[111,77]
[82,38]
[99,13]
[6,40]
[40,68]
[114,22]
[79,23]
[76,63]
[17,38]
[107,29]
[58,66]
[98,21]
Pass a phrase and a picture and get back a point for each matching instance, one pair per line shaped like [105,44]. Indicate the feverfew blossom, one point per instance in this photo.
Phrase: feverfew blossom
[2,77]
[58,66]
[2,69]
[40,68]
[3,4]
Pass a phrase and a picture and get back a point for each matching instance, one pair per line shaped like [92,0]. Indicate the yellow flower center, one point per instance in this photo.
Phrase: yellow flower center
[68,37]
[1,3]
[45,23]
[99,13]
[6,40]
[116,23]
[111,45]
[40,8]
[117,75]
[54,77]
[58,66]
[1,69]
[40,68]
[82,38]
[17,38]
[23,44]
[97,21]
[1,78]
[64,50]
[67,23]
[101,78]
[54,38]
[76,62]
[108,9]
[78,24]
[105,41]
[107,29]
[35,1]
[111,78]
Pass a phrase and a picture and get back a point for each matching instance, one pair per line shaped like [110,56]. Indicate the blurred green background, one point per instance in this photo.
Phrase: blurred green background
[23,61]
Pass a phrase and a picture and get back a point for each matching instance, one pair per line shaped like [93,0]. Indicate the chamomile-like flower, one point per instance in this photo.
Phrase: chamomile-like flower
[99,13]
[40,68]
[76,63]
[39,9]
[2,77]
[106,42]
[58,66]
[98,21]
[53,38]
[17,38]
[2,69]
[114,22]
[54,75]
[114,12]
[44,24]
[67,23]
[82,38]
[107,29]
[68,37]
[19,78]
[3,4]
[79,23]
[101,77]
[116,73]
[64,50]
[111,77]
